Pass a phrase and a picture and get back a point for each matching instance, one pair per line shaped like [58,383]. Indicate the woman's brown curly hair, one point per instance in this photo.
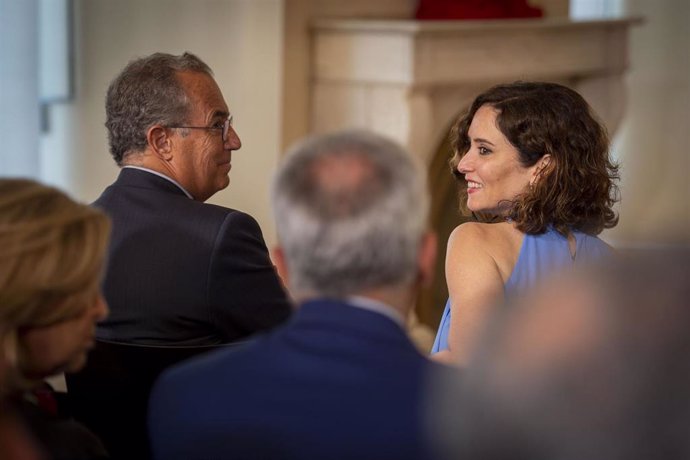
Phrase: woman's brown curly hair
[577,190]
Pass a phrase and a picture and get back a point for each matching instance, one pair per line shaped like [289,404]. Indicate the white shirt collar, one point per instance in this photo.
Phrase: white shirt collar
[160,175]
[379,307]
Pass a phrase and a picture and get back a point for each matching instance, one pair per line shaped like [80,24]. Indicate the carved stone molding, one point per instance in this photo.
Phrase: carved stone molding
[409,79]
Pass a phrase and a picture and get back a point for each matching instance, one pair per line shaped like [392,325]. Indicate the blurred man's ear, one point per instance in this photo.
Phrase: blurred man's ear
[159,142]
[426,258]
[278,257]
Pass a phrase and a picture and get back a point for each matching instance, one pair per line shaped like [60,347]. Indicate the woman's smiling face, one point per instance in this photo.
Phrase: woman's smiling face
[491,166]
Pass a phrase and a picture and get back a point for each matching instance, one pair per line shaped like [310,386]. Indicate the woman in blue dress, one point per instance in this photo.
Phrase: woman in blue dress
[532,160]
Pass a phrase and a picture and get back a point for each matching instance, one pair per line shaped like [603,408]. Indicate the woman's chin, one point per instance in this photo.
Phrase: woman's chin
[76,364]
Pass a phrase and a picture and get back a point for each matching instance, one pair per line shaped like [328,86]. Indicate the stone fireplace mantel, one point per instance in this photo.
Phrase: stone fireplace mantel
[410,79]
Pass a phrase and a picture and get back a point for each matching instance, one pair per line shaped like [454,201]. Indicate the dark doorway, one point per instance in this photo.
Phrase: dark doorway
[444,217]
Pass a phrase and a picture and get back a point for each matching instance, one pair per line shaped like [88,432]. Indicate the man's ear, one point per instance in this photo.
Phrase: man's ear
[278,257]
[426,258]
[541,168]
[159,142]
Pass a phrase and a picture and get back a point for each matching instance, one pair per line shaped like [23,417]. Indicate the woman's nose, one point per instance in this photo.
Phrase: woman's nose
[465,164]
[100,311]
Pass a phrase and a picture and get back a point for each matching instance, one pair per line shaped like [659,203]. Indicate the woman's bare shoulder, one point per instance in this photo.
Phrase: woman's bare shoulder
[469,230]
[498,242]
[477,233]
[467,242]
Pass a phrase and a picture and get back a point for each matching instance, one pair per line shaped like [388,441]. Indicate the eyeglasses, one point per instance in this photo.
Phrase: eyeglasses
[224,128]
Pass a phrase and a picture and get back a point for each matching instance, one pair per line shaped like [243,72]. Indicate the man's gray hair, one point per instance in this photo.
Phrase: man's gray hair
[351,209]
[147,92]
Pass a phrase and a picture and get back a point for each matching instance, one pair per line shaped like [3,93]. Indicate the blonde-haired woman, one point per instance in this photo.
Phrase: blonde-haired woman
[52,251]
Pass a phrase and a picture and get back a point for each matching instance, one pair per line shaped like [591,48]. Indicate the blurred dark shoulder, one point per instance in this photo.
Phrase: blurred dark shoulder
[46,416]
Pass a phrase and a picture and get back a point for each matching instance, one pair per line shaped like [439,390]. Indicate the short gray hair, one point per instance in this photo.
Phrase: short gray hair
[147,92]
[343,233]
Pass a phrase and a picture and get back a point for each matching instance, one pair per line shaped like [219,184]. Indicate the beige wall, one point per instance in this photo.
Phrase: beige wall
[652,144]
[239,39]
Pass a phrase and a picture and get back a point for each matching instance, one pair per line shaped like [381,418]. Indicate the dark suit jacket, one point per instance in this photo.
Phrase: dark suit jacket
[60,437]
[336,382]
[182,272]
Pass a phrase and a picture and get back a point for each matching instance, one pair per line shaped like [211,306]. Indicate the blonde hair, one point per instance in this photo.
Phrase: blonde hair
[52,251]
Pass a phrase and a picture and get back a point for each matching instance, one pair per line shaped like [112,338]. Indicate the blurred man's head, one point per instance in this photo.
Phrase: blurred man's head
[351,212]
[591,366]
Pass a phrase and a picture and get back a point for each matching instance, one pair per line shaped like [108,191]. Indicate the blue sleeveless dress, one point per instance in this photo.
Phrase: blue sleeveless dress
[539,256]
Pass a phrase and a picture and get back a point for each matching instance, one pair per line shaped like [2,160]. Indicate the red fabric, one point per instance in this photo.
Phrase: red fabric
[45,399]
[476,9]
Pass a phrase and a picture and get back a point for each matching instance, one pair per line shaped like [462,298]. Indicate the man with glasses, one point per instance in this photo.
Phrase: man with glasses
[180,271]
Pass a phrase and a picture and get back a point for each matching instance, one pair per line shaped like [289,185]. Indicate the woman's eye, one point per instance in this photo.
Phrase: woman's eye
[483,151]
[218,125]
